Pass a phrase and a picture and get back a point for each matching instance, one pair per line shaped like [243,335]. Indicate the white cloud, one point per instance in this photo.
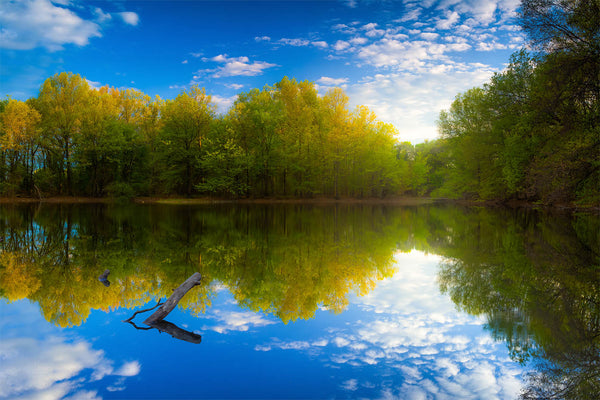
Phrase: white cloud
[411,15]
[93,84]
[298,42]
[131,368]
[224,103]
[235,86]
[372,31]
[341,45]
[343,28]
[420,75]
[129,17]
[490,46]
[262,39]
[327,81]
[390,52]
[449,20]
[429,35]
[350,385]
[412,101]
[39,23]
[238,321]
[341,342]
[238,66]
[294,42]
[359,40]
[51,368]
[101,16]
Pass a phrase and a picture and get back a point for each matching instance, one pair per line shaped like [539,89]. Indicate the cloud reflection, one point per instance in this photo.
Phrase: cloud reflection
[428,349]
[236,321]
[55,367]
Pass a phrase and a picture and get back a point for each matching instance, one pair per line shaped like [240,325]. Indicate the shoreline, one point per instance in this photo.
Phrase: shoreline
[397,200]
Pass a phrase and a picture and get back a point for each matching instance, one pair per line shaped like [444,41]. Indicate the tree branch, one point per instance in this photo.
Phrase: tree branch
[141,311]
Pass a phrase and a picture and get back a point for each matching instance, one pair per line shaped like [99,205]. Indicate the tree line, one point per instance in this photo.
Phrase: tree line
[531,133]
[282,140]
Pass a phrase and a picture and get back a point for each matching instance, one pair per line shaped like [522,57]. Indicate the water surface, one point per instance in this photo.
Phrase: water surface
[299,302]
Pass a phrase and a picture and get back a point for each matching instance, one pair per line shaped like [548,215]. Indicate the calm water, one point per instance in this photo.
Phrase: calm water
[299,302]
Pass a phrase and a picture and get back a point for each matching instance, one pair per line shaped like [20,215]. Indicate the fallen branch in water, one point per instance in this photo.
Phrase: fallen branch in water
[156,319]
[141,311]
[172,301]
[146,328]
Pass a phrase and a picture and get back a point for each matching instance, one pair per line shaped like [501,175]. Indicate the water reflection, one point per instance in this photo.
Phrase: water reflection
[538,290]
[410,343]
[531,279]
[283,261]
[51,364]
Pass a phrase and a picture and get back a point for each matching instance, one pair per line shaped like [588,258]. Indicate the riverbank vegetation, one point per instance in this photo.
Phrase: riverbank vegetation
[532,133]
[283,140]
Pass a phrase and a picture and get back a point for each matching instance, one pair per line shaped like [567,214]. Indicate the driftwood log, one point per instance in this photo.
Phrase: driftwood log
[156,319]
[172,301]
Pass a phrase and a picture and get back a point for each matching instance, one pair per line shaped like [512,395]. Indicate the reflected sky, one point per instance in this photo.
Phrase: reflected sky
[402,340]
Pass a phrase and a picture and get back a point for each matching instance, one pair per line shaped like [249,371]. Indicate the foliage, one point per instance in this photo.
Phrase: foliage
[284,140]
[533,132]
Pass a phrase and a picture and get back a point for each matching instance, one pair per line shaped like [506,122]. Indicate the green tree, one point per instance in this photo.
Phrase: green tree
[63,101]
[476,159]
[186,122]
[300,169]
[223,163]
[257,116]
[20,142]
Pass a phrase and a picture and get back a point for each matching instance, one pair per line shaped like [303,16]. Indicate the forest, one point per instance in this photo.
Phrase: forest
[283,140]
[532,133]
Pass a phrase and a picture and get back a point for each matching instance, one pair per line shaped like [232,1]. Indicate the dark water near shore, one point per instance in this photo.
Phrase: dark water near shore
[299,301]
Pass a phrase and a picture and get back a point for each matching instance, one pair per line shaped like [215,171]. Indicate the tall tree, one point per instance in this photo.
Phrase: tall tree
[300,112]
[63,102]
[257,115]
[187,120]
[334,131]
[20,139]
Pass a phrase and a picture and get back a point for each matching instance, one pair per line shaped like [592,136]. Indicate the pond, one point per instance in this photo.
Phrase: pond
[299,302]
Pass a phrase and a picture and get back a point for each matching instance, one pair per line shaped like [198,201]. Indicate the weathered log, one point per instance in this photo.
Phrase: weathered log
[172,301]
[176,332]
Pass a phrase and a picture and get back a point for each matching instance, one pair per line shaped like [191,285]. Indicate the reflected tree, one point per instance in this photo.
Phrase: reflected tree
[537,284]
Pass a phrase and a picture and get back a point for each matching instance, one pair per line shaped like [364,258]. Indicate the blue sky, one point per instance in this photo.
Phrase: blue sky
[406,60]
